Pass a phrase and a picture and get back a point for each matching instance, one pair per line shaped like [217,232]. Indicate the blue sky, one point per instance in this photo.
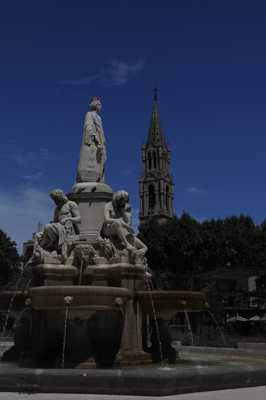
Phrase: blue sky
[208,59]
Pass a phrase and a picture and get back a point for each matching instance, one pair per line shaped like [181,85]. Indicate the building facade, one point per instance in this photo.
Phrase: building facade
[156,188]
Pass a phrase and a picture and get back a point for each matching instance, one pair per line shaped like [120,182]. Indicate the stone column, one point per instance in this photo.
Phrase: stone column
[131,351]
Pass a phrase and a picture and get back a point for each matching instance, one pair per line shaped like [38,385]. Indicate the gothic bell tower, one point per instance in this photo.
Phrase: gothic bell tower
[156,186]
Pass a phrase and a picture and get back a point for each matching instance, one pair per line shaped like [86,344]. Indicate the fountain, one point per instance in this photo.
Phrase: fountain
[91,308]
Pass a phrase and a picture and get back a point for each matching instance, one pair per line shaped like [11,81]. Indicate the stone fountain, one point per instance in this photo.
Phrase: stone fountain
[90,303]
[87,300]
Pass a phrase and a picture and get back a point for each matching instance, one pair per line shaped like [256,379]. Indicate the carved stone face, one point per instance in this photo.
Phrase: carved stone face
[121,202]
[96,105]
[58,197]
[121,198]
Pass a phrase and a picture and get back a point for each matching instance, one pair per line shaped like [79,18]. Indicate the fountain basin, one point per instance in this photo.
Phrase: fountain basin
[67,325]
[192,374]
[169,302]
[88,298]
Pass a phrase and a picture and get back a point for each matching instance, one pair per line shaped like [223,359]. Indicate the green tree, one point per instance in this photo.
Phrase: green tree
[183,248]
[173,250]
[9,258]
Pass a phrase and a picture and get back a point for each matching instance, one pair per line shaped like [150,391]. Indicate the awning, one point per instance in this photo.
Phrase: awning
[237,318]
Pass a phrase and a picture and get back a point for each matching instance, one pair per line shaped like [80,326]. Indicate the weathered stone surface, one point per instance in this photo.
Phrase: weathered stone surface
[117,274]
[118,227]
[91,207]
[91,187]
[169,302]
[163,381]
[53,274]
[56,238]
[93,297]
[93,149]
[92,319]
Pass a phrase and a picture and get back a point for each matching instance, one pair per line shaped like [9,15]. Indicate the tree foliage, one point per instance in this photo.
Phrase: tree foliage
[183,247]
[9,258]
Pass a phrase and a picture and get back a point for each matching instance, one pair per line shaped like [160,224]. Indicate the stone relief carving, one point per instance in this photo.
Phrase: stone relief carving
[84,255]
[106,248]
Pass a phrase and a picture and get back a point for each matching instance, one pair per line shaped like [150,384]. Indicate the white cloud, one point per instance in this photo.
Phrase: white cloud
[20,213]
[196,190]
[116,73]
[23,160]
[46,154]
[31,165]
[33,177]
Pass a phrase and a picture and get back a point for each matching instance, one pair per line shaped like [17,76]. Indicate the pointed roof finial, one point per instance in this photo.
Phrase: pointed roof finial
[155,135]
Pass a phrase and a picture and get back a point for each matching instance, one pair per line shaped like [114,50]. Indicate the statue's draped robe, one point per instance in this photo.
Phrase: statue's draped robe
[55,235]
[93,150]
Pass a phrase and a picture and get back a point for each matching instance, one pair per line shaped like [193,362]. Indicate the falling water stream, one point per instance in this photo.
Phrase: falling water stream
[189,328]
[137,324]
[11,302]
[218,327]
[67,300]
[81,272]
[149,287]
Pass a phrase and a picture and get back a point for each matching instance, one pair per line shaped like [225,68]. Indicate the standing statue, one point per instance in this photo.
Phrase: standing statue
[118,225]
[57,234]
[93,150]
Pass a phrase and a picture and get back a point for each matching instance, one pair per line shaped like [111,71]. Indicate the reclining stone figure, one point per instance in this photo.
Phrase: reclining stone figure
[56,236]
[118,225]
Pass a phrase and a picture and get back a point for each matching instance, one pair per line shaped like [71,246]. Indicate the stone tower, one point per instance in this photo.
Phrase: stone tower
[156,186]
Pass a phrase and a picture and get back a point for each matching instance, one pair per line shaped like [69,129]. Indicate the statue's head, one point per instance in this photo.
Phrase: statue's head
[58,196]
[120,198]
[95,104]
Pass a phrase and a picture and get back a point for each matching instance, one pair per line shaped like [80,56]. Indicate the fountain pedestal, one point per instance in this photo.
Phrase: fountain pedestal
[50,272]
[91,198]
[130,277]
[131,350]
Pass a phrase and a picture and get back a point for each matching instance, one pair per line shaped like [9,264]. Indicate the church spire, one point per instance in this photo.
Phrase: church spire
[155,135]
[156,187]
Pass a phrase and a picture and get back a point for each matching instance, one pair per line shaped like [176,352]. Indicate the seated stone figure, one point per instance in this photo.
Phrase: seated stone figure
[55,236]
[118,225]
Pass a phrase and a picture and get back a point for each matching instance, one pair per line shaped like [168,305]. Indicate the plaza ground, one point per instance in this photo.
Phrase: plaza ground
[255,393]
